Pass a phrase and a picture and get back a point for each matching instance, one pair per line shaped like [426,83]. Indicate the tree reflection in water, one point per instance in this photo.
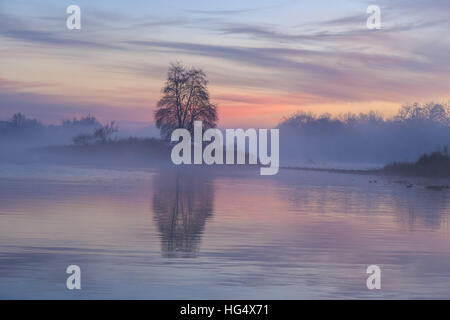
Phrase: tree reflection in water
[181,204]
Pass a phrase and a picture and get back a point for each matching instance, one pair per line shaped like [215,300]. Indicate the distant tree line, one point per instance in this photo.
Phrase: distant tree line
[81,131]
[432,113]
[365,137]
[19,122]
[88,121]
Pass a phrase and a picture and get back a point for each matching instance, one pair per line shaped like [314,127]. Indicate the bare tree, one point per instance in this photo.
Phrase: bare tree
[104,133]
[185,99]
[438,113]
[18,120]
[100,135]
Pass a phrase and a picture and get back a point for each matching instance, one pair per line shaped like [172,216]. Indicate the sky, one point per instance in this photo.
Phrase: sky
[264,59]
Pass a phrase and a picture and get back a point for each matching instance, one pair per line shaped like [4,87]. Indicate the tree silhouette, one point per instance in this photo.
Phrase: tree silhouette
[185,99]
[438,113]
[19,121]
[100,135]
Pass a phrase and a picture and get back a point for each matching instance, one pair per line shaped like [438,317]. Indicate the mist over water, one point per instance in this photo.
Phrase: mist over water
[140,227]
[190,234]
[19,136]
[77,141]
[348,140]
[365,140]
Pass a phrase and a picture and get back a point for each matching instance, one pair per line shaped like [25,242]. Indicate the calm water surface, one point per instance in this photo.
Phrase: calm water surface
[183,235]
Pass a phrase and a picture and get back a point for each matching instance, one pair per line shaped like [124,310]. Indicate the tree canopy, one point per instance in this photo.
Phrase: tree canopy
[185,99]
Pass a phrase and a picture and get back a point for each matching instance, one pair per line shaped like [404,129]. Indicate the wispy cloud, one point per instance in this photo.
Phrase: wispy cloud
[12,85]
[333,58]
[31,32]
